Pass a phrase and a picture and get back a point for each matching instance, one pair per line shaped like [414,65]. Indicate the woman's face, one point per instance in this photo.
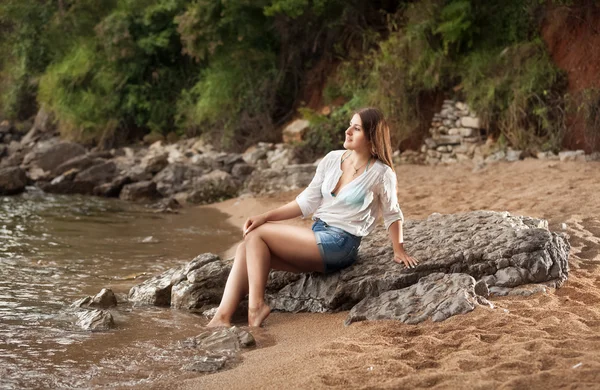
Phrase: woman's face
[356,138]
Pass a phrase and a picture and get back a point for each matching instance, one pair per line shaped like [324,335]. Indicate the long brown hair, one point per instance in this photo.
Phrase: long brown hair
[378,132]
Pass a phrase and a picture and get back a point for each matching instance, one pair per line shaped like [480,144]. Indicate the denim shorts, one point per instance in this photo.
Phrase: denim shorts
[338,247]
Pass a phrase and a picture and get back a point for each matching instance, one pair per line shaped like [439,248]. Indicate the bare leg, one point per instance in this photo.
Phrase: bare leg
[295,246]
[237,285]
[235,288]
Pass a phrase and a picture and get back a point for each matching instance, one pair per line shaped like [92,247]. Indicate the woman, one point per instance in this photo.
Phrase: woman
[348,191]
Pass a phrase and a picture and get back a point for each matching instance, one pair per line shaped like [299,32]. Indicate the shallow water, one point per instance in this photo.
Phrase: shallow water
[57,249]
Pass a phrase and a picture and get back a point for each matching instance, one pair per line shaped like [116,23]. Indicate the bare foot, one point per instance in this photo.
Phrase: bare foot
[218,321]
[257,315]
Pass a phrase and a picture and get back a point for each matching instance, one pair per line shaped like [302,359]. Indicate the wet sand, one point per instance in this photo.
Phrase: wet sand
[547,340]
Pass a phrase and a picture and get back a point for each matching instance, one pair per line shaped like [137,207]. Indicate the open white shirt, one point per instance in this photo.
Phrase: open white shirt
[357,205]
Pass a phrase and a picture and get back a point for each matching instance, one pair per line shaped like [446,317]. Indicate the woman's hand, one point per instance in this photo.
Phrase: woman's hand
[253,222]
[401,257]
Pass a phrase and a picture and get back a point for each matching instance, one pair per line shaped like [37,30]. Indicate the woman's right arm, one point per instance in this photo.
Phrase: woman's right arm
[287,211]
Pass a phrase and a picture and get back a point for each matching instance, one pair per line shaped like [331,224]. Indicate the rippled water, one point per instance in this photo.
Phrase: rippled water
[56,249]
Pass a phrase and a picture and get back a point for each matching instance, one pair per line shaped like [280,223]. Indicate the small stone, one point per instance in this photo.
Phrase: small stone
[473,123]
[569,155]
[563,226]
[207,364]
[467,132]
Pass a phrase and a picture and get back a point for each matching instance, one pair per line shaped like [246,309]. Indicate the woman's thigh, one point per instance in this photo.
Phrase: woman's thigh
[294,245]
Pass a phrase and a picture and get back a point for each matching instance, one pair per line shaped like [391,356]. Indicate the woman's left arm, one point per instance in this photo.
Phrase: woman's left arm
[393,218]
[400,255]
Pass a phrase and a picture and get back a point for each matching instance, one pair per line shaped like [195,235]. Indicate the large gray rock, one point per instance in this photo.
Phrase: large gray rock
[501,249]
[155,162]
[436,296]
[275,180]
[64,184]
[212,187]
[50,157]
[98,174]
[80,163]
[154,291]
[158,289]
[481,251]
[202,288]
[144,190]
[12,181]
[112,189]
[176,177]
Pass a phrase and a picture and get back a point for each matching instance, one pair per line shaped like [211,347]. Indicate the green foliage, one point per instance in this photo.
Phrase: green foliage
[235,69]
[486,52]
[25,53]
[585,107]
[326,133]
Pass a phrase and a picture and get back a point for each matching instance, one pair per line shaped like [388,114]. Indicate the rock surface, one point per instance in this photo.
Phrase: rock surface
[94,320]
[12,181]
[217,347]
[274,180]
[501,249]
[194,276]
[436,296]
[492,251]
[212,187]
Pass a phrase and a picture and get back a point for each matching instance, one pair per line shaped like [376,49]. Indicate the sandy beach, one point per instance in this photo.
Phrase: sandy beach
[547,340]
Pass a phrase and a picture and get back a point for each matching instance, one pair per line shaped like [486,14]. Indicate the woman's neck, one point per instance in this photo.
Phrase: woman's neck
[360,156]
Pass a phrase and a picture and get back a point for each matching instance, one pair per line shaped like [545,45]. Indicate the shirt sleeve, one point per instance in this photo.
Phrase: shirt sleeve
[388,197]
[310,199]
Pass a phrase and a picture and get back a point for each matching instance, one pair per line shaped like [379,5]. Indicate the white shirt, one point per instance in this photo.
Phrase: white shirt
[357,205]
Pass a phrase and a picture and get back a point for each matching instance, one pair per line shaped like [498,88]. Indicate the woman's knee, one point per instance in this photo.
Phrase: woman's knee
[255,234]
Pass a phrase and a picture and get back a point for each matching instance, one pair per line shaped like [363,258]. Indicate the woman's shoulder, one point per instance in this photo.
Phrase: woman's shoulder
[382,168]
[331,156]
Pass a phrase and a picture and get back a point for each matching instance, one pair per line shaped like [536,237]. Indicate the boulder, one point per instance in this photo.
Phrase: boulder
[501,249]
[277,180]
[144,190]
[98,174]
[202,287]
[176,177]
[294,132]
[154,291]
[64,184]
[280,158]
[462,258]
[157,290]
[155,162]
[80,163]
[212,187]
[14,159]
[436,296]
[50,156]
[12,181]
[241,171]
[255,153]
[112,189]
